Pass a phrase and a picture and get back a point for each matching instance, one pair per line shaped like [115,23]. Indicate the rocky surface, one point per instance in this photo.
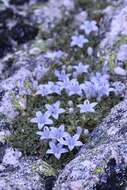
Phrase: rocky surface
[101,163]
[26,28]
[22,65]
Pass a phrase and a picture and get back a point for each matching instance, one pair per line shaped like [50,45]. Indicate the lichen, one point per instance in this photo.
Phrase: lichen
[112,61]
[43,168]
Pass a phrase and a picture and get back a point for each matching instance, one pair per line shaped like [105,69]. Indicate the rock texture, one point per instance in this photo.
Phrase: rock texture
[20,176]
[22,64]
[102,162]
[102,159]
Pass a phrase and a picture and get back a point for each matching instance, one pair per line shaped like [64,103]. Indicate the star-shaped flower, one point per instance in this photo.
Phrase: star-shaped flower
[89,26]
[87,107]
[55,88]
[101,85]
[72,141]
[44,90]
[54,110]
[81,68]
[61,75]
[56,149]
[78,41]
[89,89]
[54,55]
[58,133]
[41,119]
[73,88]
[45,134]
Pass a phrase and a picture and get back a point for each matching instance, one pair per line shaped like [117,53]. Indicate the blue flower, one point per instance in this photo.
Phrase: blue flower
[73,87]
[44,90]
[101,85]
[89,89]
[54,110]
[56,149]
[54,55]
[87,107]
[81,68]
[72,141]
[58,133]
[54,88]
[89,26]
[78,41]
[41,119]
[45,134]
[120,71]
[61,75]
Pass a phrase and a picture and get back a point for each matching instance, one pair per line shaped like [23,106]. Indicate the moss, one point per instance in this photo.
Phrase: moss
[121,40]
[65,30]
[102,110]
[93,7]
[112,61]
[41,44]
[17,102]
[25,138]
[89,4]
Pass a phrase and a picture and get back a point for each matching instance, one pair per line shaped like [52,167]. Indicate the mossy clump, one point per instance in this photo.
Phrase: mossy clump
[89,4]
[121,40]
[25,138]
[102,110]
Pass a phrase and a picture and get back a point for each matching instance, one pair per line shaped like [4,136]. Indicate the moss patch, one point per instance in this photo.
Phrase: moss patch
[25,138]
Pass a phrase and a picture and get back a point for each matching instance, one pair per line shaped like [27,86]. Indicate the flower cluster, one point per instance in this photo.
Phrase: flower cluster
[73,92]
[89,26]
[97,87]
[54,55]
[80,40]
[59,141]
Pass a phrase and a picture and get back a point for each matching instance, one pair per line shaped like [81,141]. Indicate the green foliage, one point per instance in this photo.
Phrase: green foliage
[89,4]
[25,138]
[102,109]
[121,40]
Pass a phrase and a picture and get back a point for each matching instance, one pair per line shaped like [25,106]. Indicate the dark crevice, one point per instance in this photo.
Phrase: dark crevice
[114,178]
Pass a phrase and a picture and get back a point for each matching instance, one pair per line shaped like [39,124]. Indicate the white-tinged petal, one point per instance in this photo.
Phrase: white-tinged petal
[33,120]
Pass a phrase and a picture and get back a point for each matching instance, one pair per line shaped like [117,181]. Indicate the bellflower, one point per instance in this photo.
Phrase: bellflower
[54,88]
[101,85]
[81,68]
[73,88]
[87,107]
[44,90]
[61,75]
[45,134]
[58,133]
[54,110]
[41,119]
[56,149]
[89,26]
[65,83]
[72,141]
[89,89]
[78,41]
[120,71]
[54,55]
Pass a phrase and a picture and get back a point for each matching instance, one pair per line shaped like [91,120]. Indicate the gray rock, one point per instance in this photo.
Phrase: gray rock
[92,166]
[21,178]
